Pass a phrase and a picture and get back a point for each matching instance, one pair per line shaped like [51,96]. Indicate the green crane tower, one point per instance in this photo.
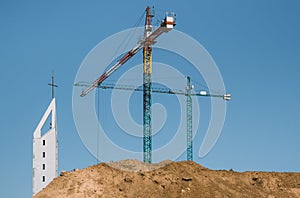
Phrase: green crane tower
[189,120]
[147,103]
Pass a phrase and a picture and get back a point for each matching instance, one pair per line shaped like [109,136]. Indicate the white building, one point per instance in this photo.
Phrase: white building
[45,151]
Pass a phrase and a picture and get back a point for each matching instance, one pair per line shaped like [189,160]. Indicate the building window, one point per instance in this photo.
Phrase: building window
[44,142]
[44,166]
[44,154]
[44,179]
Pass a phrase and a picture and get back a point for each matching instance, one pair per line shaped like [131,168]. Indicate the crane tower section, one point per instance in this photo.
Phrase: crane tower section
[189,126]
[147,73]
[166,25]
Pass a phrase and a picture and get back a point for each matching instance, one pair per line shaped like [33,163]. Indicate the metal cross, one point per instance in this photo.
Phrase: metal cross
[52,85]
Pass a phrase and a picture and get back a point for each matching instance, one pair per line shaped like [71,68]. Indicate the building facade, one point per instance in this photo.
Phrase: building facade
[45,151]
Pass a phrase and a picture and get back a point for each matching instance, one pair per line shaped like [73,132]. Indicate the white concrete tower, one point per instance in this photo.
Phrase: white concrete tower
[45,149]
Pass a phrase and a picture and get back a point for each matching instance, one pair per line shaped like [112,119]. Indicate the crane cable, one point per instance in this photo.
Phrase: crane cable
[98,129]
[129,37]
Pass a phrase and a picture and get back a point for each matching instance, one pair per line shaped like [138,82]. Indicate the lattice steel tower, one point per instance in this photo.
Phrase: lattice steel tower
[147,103]
[189,118]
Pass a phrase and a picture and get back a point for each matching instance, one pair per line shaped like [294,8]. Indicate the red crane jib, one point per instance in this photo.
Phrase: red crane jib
[100,79]
[148,41]
[126,57]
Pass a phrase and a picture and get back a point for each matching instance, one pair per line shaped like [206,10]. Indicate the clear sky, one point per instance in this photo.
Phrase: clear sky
[254,43]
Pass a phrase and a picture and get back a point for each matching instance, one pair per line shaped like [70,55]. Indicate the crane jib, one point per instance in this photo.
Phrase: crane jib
[100,80]
[167,24]
[126,57]
[123,60]
[105,75]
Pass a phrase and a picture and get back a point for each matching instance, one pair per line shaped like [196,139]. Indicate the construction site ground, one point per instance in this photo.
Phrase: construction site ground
[132,178]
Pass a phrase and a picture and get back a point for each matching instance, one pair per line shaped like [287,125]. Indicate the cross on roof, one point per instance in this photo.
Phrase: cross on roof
[52,85]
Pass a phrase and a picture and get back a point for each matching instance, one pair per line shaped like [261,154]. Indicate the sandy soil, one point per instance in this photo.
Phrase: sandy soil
[131,178]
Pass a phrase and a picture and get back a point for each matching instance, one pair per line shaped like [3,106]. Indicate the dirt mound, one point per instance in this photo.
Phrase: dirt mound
[137,166]
[172,179]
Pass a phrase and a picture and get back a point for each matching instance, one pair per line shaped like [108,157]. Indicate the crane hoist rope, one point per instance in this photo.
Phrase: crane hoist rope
[129,37]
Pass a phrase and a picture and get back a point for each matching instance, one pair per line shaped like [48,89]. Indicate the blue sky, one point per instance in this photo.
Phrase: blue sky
[254,43]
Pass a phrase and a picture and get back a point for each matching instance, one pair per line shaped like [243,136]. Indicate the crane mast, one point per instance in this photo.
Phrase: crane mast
[147,103]
[189,119]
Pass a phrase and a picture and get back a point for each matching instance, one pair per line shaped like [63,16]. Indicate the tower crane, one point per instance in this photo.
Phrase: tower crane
[146,43]
[189,93]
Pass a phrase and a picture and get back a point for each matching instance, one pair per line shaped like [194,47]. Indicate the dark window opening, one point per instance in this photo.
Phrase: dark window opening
[44,154]
[44,166]
[44,142]
[44,179]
